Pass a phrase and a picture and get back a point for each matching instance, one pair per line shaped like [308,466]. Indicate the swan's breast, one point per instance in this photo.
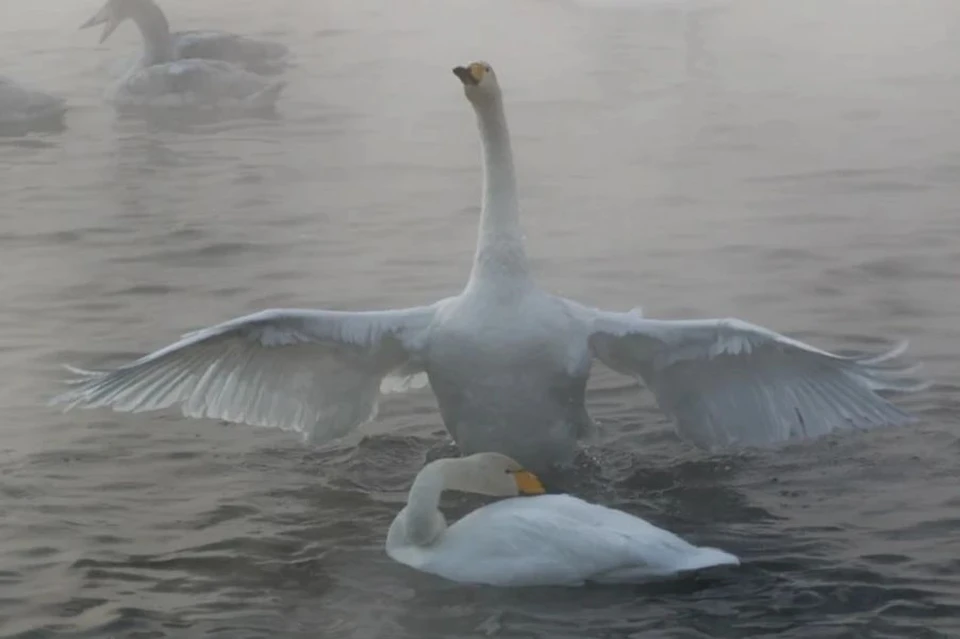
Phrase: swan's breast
[532,333]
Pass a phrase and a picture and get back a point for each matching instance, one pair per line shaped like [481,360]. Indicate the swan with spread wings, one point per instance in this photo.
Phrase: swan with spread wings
[507,361]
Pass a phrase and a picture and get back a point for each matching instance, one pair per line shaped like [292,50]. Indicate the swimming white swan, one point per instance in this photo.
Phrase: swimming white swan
[254,55]
[22,108]
[507,361]
[160,79]
[547,540]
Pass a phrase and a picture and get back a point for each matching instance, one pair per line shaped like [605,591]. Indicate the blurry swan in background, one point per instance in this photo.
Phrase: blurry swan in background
[257,56]
[507,361]
[546,540]
[24,109]
[162,79]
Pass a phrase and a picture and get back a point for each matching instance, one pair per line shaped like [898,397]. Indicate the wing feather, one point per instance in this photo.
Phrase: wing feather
[315,372]
[727,382]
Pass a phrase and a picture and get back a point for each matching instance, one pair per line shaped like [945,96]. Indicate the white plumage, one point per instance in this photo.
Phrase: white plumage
[195,85]
[544,540]
[166,77]
[314,372]
[22,108]
[507,361]
[254,55]
[727,382]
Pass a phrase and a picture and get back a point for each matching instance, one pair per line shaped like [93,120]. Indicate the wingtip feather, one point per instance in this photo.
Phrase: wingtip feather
[898,349]
[81,372]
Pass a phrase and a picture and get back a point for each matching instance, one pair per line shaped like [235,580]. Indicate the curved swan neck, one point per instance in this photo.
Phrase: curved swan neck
[500,246]
[424,521]
[153,25]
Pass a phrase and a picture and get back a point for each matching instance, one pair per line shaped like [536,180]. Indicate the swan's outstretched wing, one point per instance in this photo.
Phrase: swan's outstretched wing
[315,372]
[726,382]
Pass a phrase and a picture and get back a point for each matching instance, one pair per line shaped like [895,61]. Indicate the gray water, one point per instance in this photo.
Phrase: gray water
[790,163]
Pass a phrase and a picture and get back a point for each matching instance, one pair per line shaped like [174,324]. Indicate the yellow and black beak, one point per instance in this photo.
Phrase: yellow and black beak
[470,75]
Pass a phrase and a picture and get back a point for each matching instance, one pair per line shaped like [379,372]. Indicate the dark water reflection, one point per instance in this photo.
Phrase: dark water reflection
[793,164]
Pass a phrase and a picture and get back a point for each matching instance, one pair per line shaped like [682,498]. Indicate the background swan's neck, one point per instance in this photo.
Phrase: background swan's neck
[424,521]
[157,44]
[500,246]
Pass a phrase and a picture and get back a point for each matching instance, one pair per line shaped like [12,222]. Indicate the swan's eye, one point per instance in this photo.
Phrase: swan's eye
[489,69]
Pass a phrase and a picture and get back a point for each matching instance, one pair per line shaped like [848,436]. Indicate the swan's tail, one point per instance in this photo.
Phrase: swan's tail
[704,557]
[693,559]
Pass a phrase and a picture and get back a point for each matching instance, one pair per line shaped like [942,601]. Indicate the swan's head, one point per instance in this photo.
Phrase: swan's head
[113,13]
[479,81]
[492,474]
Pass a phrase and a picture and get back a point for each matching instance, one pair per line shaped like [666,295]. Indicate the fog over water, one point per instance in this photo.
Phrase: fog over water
[794,164]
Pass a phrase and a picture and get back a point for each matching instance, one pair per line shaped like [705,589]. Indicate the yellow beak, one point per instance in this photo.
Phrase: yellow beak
[528,483]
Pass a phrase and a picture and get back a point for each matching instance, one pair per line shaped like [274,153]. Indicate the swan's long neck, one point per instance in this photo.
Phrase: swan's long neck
[153,25]
[424,521]
[500,247]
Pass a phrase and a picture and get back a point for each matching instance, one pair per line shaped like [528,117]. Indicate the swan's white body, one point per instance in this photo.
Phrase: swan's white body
[23,107]
[164,78]
[547,540]
[256,56]
[194,84]
[507,361]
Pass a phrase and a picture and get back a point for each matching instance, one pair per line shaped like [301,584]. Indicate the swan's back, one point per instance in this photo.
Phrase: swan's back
[257,56]
[561,540]
[196,83]
[19,104]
